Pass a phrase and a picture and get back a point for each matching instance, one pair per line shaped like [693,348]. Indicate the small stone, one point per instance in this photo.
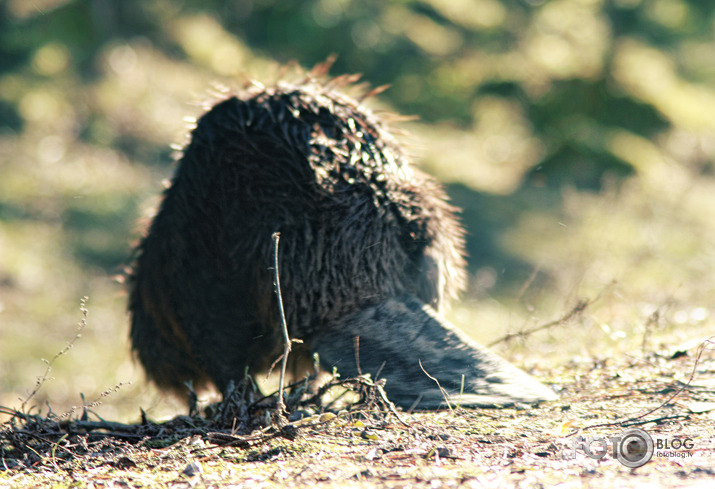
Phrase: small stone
[192,469]
[369,435]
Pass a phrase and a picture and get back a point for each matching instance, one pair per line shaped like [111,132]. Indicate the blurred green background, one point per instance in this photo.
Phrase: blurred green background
[577,135]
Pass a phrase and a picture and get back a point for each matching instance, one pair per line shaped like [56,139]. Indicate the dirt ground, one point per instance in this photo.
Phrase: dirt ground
[670,396]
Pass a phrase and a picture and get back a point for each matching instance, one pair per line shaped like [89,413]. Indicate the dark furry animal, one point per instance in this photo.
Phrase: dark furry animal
[370,249]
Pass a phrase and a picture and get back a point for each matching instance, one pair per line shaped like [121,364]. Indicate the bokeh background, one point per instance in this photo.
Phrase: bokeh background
[578,136]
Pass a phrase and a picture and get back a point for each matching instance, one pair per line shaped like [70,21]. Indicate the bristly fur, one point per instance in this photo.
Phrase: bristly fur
[359,227]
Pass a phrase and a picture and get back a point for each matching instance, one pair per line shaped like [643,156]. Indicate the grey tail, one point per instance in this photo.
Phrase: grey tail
[402,338]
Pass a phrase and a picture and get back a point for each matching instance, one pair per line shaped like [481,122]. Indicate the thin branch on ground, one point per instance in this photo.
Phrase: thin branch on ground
[577,310]
[441,389]
[632,420]
[289,431]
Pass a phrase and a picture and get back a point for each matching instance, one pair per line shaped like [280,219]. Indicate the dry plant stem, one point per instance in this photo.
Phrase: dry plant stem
[41,380]
[356,341]
[578,309]
[220,439]
[284,326]
[575,311]
[86,406]
[391,406]
[441,389]
[529,281]
[633,420]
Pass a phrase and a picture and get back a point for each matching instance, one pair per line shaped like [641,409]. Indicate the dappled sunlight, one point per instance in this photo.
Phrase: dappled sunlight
[51,59]
[144,96]
[472,14]
[492,156]
[673,14]
[650,75]
[207,43]
[568,39]
[652,163]
[23,9]
[431,37]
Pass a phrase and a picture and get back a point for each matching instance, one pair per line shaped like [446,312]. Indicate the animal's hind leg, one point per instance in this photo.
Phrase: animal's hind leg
[164,356]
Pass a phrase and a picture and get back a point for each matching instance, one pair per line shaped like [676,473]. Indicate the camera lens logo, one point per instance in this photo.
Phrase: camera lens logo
[635,448]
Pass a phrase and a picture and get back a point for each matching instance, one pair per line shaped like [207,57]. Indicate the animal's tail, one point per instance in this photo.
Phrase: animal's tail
[402,340]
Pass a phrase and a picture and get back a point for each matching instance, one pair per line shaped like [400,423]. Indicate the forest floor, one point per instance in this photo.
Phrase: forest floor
[668,395]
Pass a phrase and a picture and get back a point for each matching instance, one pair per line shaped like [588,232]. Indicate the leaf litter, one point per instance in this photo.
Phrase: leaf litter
[317,436]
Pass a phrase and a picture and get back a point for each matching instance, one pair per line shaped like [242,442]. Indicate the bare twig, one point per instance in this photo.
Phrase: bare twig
[284,326]
[356,342]
[441,389]
[390,405]
[633,420]
[529,281]
[651,323]
[575,311]
[220,439]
